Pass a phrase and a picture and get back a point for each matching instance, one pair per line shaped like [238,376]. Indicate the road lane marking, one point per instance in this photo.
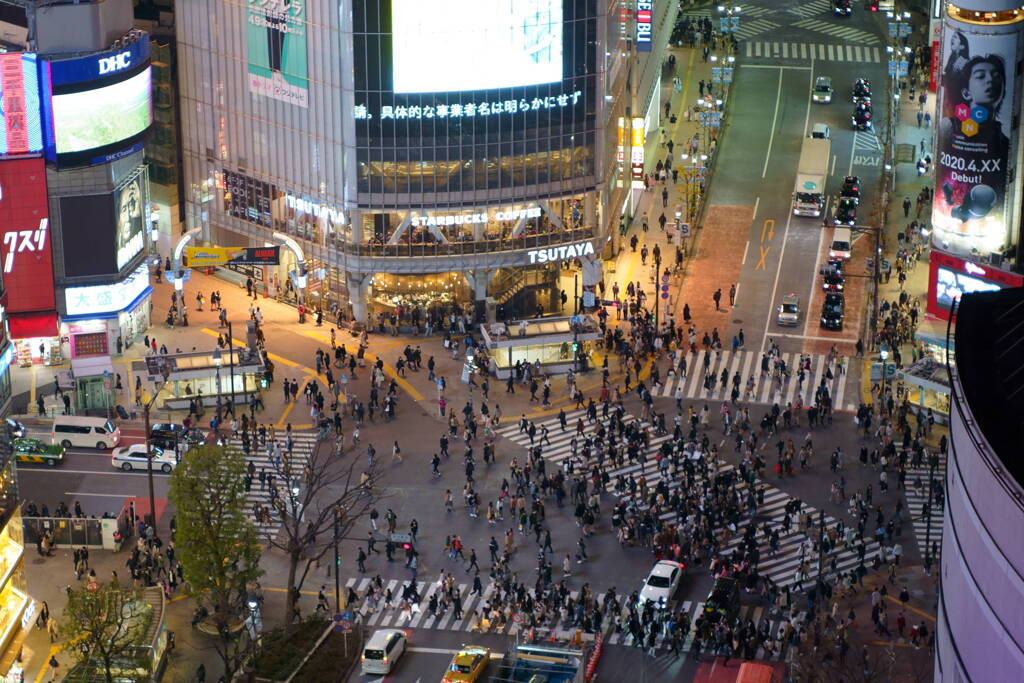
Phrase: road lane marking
[761,265]
[59,470]
[814,278]
[775,116]
[447,651]
[745,250]
[775,285]
[790,335]
[100,495]
[768,228]
[807,117]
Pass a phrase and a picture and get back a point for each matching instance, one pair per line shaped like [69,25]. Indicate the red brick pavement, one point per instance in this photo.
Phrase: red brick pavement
[716,264]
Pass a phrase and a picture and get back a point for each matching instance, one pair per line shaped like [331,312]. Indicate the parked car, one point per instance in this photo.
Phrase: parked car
[833,279]
[846,212]
[850,188]
[832,311]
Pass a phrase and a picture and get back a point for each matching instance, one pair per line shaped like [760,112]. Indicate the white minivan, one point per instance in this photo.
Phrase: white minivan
[842,243]
[85,432]
[382,650]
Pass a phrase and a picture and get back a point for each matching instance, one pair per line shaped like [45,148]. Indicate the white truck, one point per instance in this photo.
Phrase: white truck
[811,174]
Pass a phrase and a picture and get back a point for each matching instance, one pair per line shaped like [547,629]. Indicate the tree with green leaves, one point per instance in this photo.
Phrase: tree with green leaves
[108,629]
[217,544]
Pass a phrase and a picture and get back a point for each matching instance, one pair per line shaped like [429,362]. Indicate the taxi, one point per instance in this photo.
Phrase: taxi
[34,450]
[128,458]
[467,664]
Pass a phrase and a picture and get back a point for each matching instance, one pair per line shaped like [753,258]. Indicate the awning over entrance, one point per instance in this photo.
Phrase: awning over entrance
[32,325]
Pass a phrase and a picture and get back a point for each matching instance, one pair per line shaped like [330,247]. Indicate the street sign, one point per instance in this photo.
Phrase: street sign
[716,74]
[344,378]
[401,538]
[904,67]
[684,229]
[905,29]
[727,74]
[894,29]
[892,67]
[517,618]
[347,616]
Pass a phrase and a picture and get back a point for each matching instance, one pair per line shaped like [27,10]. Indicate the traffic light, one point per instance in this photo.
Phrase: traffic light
[406,546]
[873,5]
[575,346]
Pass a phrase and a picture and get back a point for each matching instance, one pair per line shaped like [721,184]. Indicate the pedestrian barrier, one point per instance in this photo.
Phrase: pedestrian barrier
[595,657]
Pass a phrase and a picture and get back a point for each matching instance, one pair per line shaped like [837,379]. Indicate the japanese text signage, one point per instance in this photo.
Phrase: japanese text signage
[644,24]
[21,132]
[103,299]
[24,222]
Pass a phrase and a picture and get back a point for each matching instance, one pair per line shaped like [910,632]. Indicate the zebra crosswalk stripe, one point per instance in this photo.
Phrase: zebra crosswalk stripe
[845,32]
[760,49]
[780,566]
[915,507]
[303,446]
[806,9]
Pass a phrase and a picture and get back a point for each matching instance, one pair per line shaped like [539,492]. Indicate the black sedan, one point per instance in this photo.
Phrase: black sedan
[851,187]
[846,212]
[842,8]
[832,311]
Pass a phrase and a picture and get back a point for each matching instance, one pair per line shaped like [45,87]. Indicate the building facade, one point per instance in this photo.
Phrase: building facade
[423,154]
[980,629]
[76,190]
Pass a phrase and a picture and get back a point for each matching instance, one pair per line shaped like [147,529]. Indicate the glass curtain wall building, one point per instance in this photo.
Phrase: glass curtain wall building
[425,154]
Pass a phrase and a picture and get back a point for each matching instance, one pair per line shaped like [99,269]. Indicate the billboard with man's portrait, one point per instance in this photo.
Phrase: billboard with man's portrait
[130,221]
[969,209]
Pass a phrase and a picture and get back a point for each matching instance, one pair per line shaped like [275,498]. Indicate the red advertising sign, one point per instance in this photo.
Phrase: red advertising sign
[950,277]
[25,226]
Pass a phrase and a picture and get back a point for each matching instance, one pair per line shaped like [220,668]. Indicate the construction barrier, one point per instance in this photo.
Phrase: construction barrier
[588,675]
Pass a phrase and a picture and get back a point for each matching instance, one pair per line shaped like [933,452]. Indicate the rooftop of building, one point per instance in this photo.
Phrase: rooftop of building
[990,363]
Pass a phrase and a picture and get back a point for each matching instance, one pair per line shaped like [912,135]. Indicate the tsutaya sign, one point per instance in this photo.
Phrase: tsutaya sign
[321,211]
[471,218]
[562,253]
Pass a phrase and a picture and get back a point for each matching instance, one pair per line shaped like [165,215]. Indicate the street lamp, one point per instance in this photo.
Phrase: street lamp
[217,363]
[883,353]
[166,372]
[231,365]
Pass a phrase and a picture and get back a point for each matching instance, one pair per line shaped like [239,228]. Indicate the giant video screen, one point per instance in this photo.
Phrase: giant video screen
[104,116]
[458,45]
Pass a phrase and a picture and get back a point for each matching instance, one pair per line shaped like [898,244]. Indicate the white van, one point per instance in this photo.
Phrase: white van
[85,432]
[842,243]
[382,651]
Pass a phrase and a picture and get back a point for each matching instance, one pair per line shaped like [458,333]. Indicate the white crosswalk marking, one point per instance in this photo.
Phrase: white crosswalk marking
[753,27]
[917,500]
[781,566]
[839,30]
[381,616]
[806,9]
[804,52]
[260,493]
[866,141]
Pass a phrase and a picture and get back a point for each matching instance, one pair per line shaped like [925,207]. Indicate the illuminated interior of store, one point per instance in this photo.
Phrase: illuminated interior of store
[420,291]
[13,586]
[546,354]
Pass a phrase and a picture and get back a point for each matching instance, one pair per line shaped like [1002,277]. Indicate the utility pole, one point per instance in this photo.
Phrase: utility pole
[231,363]
[657,290]
[933,461]
[337,562]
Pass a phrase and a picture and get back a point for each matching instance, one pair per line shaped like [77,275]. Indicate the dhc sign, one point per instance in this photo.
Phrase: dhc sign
[109,65]
[562,253]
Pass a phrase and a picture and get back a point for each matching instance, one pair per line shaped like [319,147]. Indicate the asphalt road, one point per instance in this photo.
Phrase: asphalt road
[771,115]
[85,476]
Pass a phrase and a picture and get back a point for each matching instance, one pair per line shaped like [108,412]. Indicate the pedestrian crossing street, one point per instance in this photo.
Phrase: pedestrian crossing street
[258,494]
[380,616]
[839,30]
[753,49]
[746,10]
[766,390]
[916,502]
[794,548]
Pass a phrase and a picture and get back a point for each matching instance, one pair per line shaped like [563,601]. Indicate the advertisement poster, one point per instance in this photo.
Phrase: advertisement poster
[973,140]
[457,45]
[130,239]
[24,222]
[21,131]
[277,50]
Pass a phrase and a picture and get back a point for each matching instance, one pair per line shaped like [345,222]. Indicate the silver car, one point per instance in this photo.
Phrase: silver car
[822,92]
[789,310]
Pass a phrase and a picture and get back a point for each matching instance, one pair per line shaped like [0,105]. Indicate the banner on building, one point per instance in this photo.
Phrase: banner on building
[203,257]
[973,150]
[276,37]
[130,221]
[25,226]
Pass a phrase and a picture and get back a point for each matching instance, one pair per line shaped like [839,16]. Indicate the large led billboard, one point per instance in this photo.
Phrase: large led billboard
[97,118]
[458,45]
[98,108]
[969,212]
